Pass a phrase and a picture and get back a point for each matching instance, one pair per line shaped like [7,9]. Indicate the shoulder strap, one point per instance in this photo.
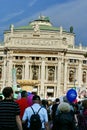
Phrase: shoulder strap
[34,111]
[39,109]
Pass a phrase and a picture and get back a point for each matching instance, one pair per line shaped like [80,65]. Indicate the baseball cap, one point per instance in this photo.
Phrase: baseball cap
[36,97]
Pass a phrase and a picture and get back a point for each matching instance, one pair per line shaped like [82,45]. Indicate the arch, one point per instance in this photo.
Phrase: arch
[84,77]
[50,73]
[19,72]
[71,76]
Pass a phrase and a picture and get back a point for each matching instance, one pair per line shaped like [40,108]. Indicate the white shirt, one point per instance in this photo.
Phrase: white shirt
[43,114]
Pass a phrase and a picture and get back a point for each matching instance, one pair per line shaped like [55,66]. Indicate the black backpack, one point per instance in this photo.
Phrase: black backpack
[35,121]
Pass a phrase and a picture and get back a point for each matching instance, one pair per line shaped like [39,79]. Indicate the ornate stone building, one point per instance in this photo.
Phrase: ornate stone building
[42,58]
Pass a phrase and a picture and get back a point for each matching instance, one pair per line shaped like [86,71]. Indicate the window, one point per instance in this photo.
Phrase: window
[71,76]
[1,57]
[35,71]
[84,77]
[53,58]
[37,58]
[84,62]
[19,57]
[49,58]
[64,40]
[50,73]
[19,71]
[72,60]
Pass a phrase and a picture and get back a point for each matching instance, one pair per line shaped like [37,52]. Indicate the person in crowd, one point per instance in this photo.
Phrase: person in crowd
[54,108]
[23,102]
[42,113]
[44,103]
[9,111]
[50,104]
[1,98]
[64,120]
[82,116]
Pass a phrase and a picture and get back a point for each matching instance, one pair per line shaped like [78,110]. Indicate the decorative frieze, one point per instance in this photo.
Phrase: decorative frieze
[36,42]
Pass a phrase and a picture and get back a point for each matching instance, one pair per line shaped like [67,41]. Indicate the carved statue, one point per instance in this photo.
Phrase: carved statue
[71,29]
[36,28]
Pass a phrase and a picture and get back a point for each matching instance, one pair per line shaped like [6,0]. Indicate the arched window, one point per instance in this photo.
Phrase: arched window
[71,76]
[51,74]
[35,71]
[84,77]
[19,73]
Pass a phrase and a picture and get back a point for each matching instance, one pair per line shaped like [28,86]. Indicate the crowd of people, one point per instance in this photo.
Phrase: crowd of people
[18,114]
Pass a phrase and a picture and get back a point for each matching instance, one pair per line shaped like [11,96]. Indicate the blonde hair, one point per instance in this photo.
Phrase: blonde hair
[64,107]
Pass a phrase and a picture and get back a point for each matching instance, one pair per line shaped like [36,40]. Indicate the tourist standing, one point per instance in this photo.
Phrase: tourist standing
[9,112]
[42,113]
[64,120]
[82,116]
[23,102]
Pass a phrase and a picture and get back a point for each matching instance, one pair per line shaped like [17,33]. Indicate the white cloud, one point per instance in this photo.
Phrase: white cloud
[71,13]
[32,3]
[66,14]
[10,16]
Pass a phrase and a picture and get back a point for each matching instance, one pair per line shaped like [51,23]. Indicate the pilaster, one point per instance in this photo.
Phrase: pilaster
[42,76]
[59,77]
[27,68]
[65,75]
[80,73]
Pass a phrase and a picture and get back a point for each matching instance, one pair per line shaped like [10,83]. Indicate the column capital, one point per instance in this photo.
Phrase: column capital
[27,57]
[80,60]
[59,58]
[43,58]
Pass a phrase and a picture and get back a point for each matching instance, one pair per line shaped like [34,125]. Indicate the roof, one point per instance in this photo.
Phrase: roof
[43,23]
[41,27]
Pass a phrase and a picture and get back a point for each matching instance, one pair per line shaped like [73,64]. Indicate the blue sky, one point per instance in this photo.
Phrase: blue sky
[63,13]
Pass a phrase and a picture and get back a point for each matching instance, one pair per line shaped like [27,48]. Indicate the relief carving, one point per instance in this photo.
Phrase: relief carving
[35,42]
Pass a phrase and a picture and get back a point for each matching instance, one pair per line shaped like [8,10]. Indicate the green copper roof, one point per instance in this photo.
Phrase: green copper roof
[43,24]
[43,18]
[41,27]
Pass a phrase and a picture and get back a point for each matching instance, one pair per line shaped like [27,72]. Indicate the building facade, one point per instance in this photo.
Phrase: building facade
[42,59]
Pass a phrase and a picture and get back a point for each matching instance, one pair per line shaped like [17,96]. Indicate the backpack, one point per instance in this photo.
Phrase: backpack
[35,121]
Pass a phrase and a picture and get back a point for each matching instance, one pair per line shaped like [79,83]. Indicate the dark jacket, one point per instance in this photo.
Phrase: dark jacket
[64,121]
[82,120]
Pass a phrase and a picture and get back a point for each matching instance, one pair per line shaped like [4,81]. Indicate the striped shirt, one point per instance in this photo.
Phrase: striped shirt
[8,111]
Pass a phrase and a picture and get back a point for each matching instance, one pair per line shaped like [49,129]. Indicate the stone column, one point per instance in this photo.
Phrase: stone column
[23,71]
[59,77]
[65,75]
[55,74]
[42,77]
[46,73]
[80,73]
[26,68]
[39,73]
[4,73]
[10,71]
[55,91]
[45,87]
[30,72]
